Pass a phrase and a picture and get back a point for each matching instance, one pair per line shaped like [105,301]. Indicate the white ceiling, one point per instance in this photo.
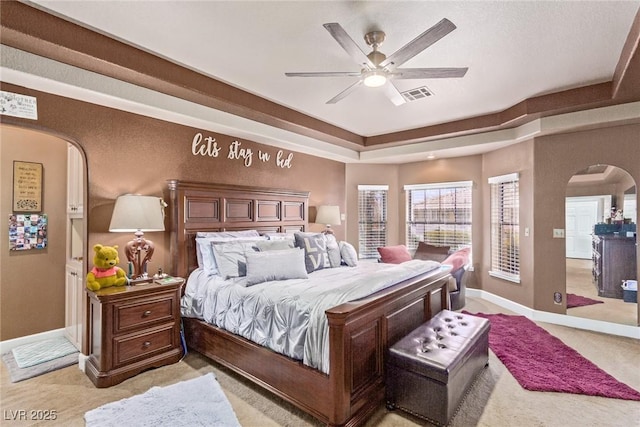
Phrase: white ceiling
[514,49]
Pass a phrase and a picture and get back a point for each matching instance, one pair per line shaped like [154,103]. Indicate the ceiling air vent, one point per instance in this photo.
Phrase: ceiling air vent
[418,93]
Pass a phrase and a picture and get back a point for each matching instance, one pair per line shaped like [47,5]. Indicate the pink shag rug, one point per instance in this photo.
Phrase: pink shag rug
[574,300]
[541,362]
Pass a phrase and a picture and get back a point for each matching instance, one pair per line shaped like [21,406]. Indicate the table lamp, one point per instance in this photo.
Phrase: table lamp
[137,214]
[328,215]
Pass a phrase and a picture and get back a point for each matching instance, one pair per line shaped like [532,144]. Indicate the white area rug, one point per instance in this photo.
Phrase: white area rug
[196,402]
[42,351]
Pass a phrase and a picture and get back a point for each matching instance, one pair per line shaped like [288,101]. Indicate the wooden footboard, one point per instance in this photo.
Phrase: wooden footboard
[360,334]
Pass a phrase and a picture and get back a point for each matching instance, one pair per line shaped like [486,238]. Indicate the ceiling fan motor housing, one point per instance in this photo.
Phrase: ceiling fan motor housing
[375,39]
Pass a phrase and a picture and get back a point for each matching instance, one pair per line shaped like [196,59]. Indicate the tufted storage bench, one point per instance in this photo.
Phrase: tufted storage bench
[429,371]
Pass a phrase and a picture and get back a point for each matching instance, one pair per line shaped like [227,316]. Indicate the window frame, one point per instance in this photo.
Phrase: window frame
[439,217]
[504,231]
[368,238]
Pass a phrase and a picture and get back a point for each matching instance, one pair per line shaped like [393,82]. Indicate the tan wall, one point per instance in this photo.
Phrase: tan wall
[32,281]
[515,158]
[592,190]
[557,158]
[128,153]
[373,174]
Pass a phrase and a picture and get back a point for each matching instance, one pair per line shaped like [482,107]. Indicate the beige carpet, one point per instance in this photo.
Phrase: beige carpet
[496,400]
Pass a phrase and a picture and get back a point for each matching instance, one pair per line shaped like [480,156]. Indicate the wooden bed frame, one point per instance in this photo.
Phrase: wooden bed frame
[360,332]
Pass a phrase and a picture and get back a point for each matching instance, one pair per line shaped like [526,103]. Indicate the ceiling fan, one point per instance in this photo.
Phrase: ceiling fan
[379,69]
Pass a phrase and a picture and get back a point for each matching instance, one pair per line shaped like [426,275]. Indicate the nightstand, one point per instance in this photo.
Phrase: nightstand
[132,328]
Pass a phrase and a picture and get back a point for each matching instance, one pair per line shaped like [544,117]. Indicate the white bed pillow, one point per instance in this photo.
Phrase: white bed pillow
[228,234]
[274,245]
[282,264]
[348,253]
[204,250]
[279,236]
[231,257]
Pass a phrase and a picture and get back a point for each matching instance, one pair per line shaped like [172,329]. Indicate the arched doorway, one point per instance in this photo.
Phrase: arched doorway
[599,254]
[45,272]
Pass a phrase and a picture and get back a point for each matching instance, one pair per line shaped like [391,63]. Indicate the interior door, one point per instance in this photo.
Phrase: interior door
[581,215]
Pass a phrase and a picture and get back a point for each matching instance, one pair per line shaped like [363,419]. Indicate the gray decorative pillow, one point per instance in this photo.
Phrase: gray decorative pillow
[333,250]
[315,250]
[274,245]
[231,257]
[348,254]
[430,252]
[275,265]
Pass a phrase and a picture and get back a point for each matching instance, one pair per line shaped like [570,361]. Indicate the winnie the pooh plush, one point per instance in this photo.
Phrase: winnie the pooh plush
[105,272]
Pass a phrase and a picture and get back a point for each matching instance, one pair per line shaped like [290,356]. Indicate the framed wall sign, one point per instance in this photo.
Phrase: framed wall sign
[27,186]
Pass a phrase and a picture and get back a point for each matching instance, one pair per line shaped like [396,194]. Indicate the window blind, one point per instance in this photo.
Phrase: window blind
[372,219]
[505,227]
[439,214]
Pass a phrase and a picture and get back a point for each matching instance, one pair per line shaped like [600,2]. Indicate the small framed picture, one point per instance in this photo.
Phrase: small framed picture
[27,231]
[27,186]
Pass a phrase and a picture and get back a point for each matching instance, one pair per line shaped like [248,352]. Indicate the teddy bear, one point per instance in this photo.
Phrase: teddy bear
[105,272]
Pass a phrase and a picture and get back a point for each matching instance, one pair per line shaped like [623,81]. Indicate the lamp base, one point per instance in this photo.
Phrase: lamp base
[133,250]
[328,230]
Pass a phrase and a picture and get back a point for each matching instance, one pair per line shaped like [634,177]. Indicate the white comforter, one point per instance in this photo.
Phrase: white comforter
[288,316]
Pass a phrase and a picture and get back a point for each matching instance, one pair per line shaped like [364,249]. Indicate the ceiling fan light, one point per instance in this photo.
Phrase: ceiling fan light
[375,79]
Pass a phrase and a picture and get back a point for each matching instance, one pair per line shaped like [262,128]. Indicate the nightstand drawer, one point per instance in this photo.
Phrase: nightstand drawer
[127,348]
[141,313]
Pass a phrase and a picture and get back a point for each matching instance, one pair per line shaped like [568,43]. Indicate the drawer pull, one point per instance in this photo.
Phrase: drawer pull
[146,313]
[146,344]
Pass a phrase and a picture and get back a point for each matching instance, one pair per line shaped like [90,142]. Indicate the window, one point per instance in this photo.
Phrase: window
[505,227]
[439,214]
[372,219]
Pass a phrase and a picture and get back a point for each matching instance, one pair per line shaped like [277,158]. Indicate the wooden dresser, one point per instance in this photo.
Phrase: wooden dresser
[614,260]
[133,328]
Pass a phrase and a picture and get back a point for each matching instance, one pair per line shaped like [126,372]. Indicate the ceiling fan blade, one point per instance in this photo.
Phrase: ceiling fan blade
[348,44]
[428,73]
[344,93]
[325,74]
[394,95]
[419,44]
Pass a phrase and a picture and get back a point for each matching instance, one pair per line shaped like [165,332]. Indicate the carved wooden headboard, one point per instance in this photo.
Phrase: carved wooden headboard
[198,206]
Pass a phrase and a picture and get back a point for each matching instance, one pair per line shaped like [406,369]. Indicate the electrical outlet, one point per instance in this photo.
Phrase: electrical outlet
[557,298]
[558,233]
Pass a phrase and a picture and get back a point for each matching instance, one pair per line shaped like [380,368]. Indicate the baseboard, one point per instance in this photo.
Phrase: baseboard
[558,319]
[82,361]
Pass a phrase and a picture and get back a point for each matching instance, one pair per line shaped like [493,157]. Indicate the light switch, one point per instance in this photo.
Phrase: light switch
[558,233]
[526,232]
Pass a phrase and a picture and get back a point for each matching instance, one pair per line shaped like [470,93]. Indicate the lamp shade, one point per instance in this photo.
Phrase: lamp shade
[133,212]
[329,215]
